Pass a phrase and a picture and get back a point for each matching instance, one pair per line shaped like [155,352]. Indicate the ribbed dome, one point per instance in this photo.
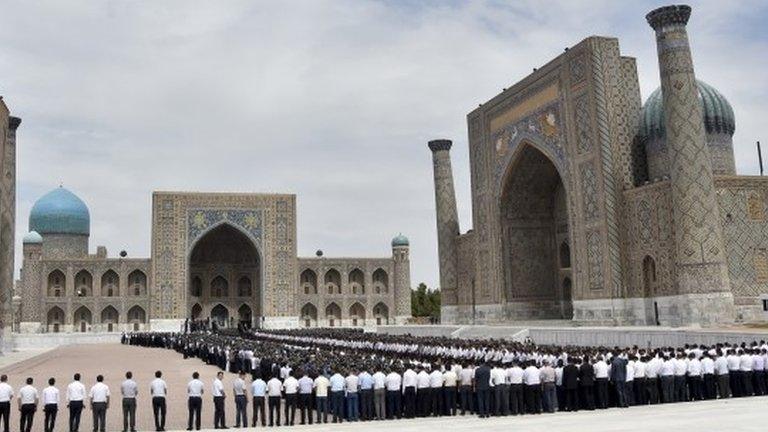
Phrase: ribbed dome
[718,114]
[400,240]
[60,212]
[32,237]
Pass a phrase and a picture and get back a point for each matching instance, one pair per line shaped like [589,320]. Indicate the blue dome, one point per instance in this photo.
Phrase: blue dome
[717,112]
[60,212]
[32,237]
[400,240]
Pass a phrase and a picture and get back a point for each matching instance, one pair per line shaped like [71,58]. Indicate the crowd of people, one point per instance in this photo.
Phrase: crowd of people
[321,375]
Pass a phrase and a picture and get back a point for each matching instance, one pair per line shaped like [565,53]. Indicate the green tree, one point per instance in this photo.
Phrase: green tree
[425,302]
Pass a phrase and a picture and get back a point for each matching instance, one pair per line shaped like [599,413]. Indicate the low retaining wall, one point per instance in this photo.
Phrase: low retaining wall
[51,340]
[585,336]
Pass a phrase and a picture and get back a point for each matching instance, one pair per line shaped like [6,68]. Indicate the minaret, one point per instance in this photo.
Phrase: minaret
[701,269]
[447,219]
[7,229]
[402,269]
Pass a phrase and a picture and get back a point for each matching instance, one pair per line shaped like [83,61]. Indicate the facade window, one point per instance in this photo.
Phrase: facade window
[755,207]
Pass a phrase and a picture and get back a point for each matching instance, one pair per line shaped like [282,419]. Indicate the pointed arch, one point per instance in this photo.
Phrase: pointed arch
[309,315]
[244,287]
[55,319]
[381,313]
[357,281]
[332,281]
[83,284]
[137,283]
[245,314]
[197,311]
[332,314]
[380,281]
[136,317]
[57,284]
[110,284]
[220,314]
[219,287]
[308,281]
[357,314]
[82,319]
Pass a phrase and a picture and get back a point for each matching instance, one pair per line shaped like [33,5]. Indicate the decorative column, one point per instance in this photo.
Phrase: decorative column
[447,219]
[701,269]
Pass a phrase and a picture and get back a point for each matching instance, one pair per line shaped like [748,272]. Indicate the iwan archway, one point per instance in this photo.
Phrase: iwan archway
[224,278]
[535,238]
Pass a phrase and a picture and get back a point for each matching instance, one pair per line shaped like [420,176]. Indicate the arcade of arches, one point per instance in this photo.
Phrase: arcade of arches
[225,278]
[110,319]
[534,217]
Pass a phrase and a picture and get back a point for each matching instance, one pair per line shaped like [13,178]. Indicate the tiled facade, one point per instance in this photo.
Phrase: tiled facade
[224,256]
[568,223]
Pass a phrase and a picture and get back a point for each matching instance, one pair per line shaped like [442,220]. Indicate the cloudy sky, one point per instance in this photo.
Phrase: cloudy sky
[331,100]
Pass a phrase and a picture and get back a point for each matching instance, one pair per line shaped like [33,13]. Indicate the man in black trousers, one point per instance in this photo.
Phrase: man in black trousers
[6,393]
[571,384]
[483,389]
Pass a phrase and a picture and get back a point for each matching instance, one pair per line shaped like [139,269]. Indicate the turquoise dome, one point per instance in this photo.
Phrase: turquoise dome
[60,212]
[400,240]
[32,237]
[718,114]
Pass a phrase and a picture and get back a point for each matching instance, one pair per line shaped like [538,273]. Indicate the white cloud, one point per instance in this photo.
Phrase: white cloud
[332,100]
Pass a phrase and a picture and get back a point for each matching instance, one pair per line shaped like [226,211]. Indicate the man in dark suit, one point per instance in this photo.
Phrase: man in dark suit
[587,383]
[571,384]
[483,389]
[618,376]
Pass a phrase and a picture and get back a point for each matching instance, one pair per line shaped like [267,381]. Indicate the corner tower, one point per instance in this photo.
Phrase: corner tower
[402,266]
[702,280]
[447,219]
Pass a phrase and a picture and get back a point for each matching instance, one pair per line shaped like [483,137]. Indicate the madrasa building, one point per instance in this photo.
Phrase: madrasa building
[225,257]
[593,207]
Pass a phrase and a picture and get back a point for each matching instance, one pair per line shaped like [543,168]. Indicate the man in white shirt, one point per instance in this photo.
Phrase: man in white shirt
[306,385]
[241,399]
[75,401]
[436,392]
[393,383]
[379,395]
[195,390]
[219,420]
[466,376]
[6,394]
[450,380]
[321,385]
[695,379]
[291,388]
[601,382]
[667,376]
[708,374]
[410,381]
[99,396]
[259,393]
[352,387]
[159,391]
[423,392]
[516,397]
[274,392]
[532,380]
[129,389]
[28,399]
[50,404]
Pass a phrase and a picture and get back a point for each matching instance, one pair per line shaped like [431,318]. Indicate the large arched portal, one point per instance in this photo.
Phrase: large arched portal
[534,222]
[221,264]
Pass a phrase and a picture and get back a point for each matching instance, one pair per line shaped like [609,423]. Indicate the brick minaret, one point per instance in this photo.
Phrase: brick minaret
[700,252]
[447,219]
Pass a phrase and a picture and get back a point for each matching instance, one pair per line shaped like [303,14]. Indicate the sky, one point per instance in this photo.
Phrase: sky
[331,100]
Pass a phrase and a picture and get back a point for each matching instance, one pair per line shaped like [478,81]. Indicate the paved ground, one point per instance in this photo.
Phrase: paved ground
[113,360]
